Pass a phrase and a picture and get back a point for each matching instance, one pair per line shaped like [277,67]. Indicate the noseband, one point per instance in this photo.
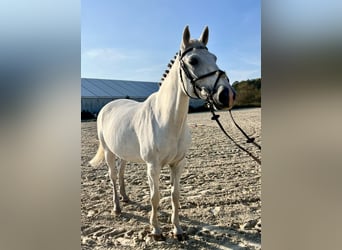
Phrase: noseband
[193,78]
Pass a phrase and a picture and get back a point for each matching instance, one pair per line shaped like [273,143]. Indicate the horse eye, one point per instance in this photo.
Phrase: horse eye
[193,61]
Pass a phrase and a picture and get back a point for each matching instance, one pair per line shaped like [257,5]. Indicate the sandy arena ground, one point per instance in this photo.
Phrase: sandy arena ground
[220,192]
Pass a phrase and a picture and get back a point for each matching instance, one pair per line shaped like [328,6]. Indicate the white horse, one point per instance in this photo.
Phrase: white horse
[155,131]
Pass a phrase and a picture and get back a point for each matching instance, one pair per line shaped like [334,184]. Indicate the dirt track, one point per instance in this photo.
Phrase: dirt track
[220,193]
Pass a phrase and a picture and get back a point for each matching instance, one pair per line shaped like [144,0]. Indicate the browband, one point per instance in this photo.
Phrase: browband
[190,49]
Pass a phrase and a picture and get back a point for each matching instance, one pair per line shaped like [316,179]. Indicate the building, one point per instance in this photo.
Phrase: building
[95,93]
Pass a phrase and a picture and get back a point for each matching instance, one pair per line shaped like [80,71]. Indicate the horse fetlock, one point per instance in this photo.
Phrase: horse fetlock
[180,237]
[117,211]
[177,230]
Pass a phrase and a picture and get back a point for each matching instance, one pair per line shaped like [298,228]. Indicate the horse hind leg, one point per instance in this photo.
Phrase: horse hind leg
[121,166]
[110,159]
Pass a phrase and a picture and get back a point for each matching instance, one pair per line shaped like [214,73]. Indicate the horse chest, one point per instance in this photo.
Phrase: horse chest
[173,148]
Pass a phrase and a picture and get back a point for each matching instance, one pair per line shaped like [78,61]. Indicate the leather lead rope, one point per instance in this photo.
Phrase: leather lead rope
[249,139]
[215,117]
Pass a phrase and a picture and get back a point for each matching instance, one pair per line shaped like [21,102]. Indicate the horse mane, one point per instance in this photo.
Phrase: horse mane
[169,66]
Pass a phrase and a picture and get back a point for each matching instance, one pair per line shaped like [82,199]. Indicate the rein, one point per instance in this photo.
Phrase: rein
[249,140]
[210,103]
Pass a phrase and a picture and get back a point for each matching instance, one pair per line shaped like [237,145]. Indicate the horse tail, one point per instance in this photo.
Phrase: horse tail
[98,158]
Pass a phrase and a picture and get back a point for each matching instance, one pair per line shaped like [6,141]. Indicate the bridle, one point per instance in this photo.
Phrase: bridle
[209,98]
[193,78]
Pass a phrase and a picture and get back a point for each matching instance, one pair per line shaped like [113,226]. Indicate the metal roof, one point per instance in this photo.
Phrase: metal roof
[116,88]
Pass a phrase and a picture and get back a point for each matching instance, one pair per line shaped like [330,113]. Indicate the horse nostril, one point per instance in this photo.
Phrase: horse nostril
[234,94]
[224,97]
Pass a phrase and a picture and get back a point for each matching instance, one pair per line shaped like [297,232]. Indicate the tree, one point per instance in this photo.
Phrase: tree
[248,93]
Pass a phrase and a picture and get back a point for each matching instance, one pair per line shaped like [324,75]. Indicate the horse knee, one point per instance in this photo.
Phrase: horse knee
[154,197]
[176,171]
[153,172]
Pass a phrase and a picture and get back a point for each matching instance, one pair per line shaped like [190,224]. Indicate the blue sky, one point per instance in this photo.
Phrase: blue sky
[135,39]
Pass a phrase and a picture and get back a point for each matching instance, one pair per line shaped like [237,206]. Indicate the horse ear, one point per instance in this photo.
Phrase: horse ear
[205,36]
[186,37]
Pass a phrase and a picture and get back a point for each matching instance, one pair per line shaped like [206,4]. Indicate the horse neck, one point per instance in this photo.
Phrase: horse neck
[172,102]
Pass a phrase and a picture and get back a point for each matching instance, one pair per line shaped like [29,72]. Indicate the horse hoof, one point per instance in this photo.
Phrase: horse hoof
[117,212]
[181,237]
[158,237]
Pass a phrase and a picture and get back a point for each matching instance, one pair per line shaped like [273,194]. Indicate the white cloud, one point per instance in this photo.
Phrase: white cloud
[120,64]
[107,54]
[141,65]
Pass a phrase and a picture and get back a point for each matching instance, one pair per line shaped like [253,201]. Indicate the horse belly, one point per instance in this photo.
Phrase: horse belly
[125,145]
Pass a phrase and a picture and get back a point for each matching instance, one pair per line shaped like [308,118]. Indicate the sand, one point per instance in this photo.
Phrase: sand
[220,192]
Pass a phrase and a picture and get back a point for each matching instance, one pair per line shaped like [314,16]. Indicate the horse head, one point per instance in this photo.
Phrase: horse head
[200,76]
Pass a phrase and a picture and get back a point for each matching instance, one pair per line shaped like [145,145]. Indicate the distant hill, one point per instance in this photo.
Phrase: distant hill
[248,93]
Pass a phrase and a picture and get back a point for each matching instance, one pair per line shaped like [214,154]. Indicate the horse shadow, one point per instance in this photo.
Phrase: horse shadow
[199,233]
[225,236]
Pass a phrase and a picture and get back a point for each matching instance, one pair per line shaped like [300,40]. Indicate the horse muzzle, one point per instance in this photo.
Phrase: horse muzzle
[224,98]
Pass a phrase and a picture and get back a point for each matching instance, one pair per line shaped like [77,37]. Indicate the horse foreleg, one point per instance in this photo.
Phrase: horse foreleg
[122,166]
[176,170]
[110,159]
[153,172]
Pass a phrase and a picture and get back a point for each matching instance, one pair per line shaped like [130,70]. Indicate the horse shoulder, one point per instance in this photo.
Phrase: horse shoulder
[146,127]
